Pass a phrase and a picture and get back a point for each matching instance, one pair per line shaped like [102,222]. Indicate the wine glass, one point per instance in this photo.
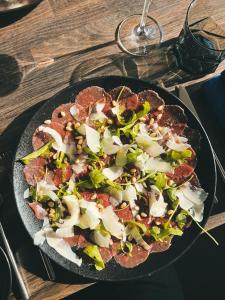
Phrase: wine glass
[139,34]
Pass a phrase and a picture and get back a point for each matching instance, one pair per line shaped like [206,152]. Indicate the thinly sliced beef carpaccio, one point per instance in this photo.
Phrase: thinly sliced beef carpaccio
[181,173]
[153,98]
[124,95]
[124,214]
[106,254]
[62,114]
[39,139]
[39,212]
[161,246]
[35,170]
[138,256]
[172,115]
[101,197]
[78,240]
[87,98]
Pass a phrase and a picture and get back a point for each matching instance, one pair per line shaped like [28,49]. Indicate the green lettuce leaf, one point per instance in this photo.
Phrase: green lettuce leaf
[126,247]
[160,181]
[132,156]
[93,252]
[176,155]
[44,151]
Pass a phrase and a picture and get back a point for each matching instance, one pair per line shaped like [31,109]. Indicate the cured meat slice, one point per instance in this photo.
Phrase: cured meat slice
[153,98]
[101,197]
[124,214]
[181,173]
[106,254]
[39,139]
[88,97]
[161,246]
[35,170]
[194,137]
[172,115]
[62,114]
[125,96]
[138,256]
[78,240]
[120,92]
[39,212]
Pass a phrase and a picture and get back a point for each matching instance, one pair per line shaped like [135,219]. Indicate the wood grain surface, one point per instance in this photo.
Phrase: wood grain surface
[64,41]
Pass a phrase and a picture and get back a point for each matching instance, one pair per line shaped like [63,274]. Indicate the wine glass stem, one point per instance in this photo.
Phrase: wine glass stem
[145,13]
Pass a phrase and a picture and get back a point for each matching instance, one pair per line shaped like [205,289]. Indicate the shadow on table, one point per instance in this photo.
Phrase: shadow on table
[160,66]
[12,16]
[10,74]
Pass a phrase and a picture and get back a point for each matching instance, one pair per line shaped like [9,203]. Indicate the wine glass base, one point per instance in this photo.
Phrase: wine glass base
[136,40]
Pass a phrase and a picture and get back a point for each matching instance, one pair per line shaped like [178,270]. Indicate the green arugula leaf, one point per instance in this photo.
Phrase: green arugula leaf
[97,178]
[92,157]
[59,159]
[132,156]
[172,196]
[140,226]
[181,218]
[161,181]
[44,151]
[145,110]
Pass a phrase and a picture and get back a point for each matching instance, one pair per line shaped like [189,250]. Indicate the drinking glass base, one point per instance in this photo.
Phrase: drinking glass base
[136,40]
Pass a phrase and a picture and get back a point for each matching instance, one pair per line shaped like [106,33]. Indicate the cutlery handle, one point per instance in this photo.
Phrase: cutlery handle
[48,266]
[215,221]
[21,285]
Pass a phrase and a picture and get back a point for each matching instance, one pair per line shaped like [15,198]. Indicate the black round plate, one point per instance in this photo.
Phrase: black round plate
[5,275]
[155,262]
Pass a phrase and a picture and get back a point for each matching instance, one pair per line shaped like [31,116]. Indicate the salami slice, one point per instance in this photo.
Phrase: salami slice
[35,170]
[172,115]
[124,214]
[153,98]
[39,212]
[161,246]
[181,173]
[125,96]
[106,254]
[62,114]
[138,256]
[88,97]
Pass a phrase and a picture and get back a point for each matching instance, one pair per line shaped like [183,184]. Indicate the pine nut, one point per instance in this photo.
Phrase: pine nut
[62,113]
[93,197]
[114,103]
[123,205]
[77,125]
[159,116]
[160,108]
[144,215]
[138,217]
[151,121]
[77,161]
[136,207]
[170,212]
[133,179]
[47,122]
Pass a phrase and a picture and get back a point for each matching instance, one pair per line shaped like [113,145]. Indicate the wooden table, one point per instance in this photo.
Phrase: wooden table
[63,41]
